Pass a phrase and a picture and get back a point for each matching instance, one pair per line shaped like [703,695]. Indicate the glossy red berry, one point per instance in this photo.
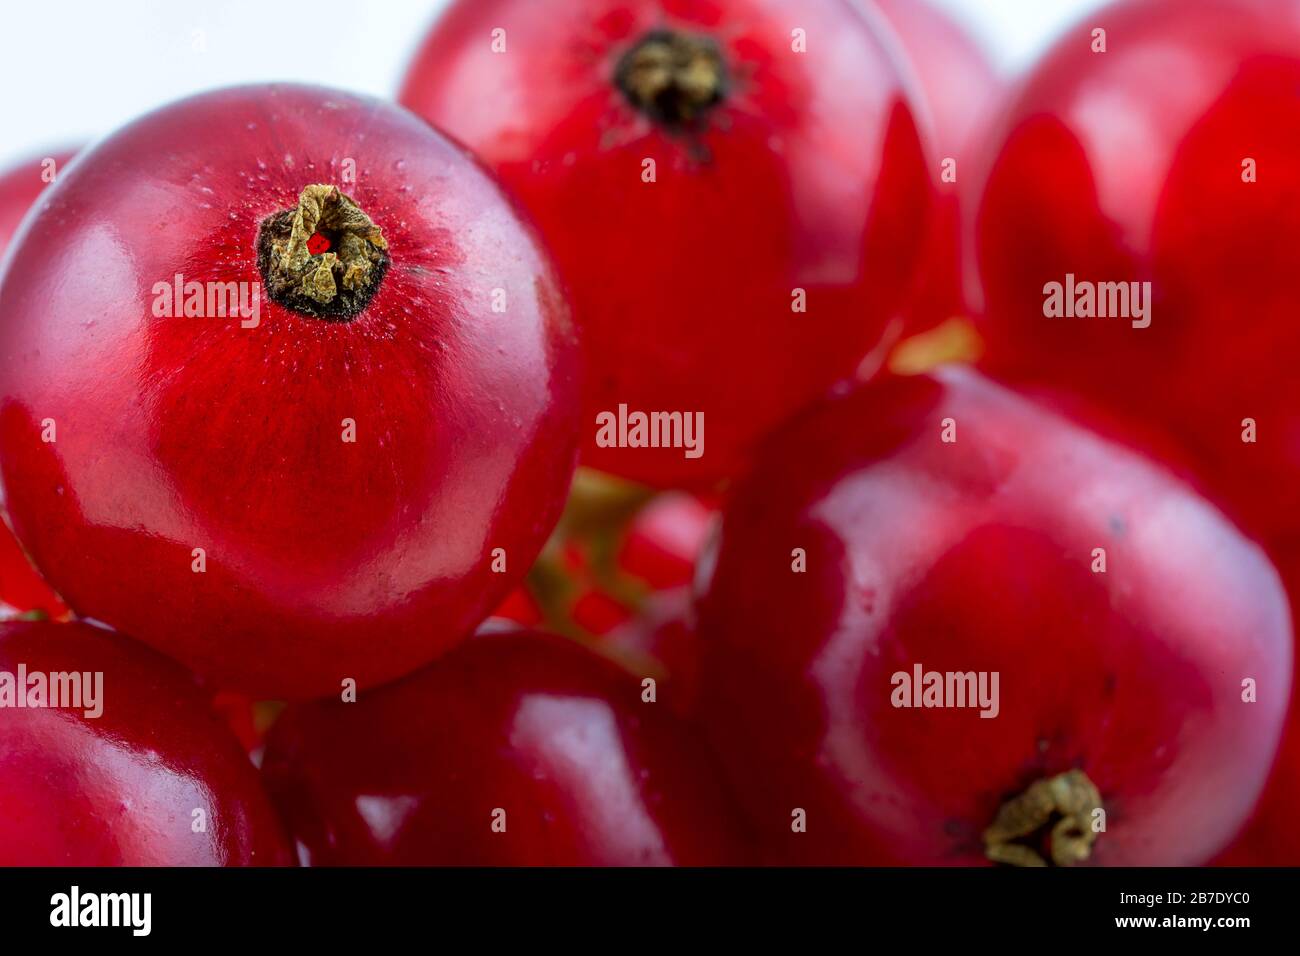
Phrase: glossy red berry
[21,587]
[948,525]
[516,749]
[1172,159]
[340,485]
[735,192]
[141,773]
[961,92]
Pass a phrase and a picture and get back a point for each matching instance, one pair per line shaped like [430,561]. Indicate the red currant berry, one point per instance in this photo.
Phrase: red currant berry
[942,625]
[961,93]
[1136,236]
[515,749]
[736,198]
[116,758]
[340,477]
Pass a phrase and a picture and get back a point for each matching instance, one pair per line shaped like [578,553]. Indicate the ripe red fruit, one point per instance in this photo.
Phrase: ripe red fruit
[1169,159]
[20,586]
[121,788]
[775,170]
[980,556]
[348,461]
[526,731]
[961,92]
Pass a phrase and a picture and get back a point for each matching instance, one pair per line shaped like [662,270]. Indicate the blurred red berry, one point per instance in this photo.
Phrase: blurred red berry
[944,524]
[660,545]
[598,613]
[737,199]
[154,778]
[962,92]
[516,749]
[1160,181]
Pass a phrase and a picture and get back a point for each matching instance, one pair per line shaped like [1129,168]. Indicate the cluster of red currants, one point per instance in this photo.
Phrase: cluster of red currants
[293,387]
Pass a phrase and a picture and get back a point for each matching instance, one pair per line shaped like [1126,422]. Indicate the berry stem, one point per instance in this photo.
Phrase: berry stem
[332,284]
[1065,803]
[674,78]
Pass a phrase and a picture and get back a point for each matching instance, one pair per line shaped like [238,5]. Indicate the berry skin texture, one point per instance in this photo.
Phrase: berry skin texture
[122,788]
[21,587]
[534,725]
[978,555]
[1271,838]
[1133,165]
[774,171]
[961,93]
[347,465]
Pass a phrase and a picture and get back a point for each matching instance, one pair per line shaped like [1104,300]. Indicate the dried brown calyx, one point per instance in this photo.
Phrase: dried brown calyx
[325,257]
[1055,811]
[674,78]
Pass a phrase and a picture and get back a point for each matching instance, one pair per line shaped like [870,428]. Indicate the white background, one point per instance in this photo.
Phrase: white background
[73,70]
